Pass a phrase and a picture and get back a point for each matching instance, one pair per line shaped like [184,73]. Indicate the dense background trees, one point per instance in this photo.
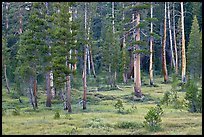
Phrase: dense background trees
[98,38]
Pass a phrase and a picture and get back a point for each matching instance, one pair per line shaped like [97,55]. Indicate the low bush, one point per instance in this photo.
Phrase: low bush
[57,115]
[16,111]
[153,118]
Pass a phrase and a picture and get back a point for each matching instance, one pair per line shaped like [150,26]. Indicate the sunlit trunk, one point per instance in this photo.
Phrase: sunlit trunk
[137,76]
[151,51]
[175,45]
[183,47]
[170,37]
[85,58]
[164,49]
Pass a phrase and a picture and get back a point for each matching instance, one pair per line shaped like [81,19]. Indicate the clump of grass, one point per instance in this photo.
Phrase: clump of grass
[16,111]
[3,111]
[57,114]
[128,125]
[119,106]
[68,116]
[97,123]
[74,131]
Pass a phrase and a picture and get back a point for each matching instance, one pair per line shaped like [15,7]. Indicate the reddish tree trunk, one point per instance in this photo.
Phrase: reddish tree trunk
[183,47]
[164,49]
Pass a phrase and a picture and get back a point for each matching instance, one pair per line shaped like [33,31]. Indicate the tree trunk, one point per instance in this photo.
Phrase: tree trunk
[183,47]
[20,29]
[88,53]
[170,36]
[31,93]
[7,10]
[137,77]
[124,55]
[175,45]
[6,79]
[85,58]
[35,92]
[151,51]
[75,51]
[92,63]
[69,94]
[114,75]
[48,88]
[164,48]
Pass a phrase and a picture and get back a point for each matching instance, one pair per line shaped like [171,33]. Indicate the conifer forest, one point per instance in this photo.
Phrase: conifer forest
[101,68]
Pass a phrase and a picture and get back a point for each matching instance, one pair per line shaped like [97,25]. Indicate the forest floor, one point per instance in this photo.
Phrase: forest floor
[100,117]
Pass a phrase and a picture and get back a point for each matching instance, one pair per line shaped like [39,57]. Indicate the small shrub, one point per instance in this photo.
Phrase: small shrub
[74,131]
[119,105]
[128,125]
[16,111]
[57,115]
[166,98]
[193,97]
[68,116]
[153,118]
[132,109]
[3,111]
[95,123]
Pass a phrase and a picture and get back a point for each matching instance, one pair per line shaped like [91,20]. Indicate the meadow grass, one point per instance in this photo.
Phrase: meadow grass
[100,117]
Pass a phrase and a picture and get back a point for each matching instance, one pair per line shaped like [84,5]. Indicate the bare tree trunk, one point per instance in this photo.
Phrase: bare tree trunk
[183,47]
[124,55]
[7,8]
[137,77]
[175,45]
[113,25]
[35,92]
[92,63]
[75,51]
[21,28]
[164,48]
[48,88]
[69,94]
[151,51]
[88,54]
[170,36]
[85,58]
[31,92]
[52,85]
[6,79]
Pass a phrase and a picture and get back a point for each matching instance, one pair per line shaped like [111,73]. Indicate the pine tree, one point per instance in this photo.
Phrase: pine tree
[194,45]
[32,49]
[64,34]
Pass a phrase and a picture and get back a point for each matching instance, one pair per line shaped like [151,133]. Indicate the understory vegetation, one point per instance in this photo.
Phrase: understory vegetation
[101,116]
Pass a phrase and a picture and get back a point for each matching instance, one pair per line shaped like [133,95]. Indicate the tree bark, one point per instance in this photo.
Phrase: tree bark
[48,88]
[151,51]
[6,79]
[183,47]
[124,55]
[7,9]
[137,77]
[21,26]
[170,37]
[92,63]
[69,94]
[164,48]
[88,53]
[35,92]
[85,58]
[175,45]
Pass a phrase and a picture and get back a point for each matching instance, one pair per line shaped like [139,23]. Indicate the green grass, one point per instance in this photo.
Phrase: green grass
[101,117]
